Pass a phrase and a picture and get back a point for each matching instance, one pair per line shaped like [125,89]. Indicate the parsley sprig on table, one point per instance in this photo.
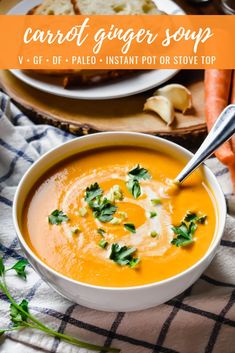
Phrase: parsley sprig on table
[135,175]
[102,208]
[185,230]
[21,317]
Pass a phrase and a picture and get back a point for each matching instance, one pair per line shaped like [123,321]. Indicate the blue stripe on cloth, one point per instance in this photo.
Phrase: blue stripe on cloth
[19,153]
[221,172]
[62,327]
[228,243]
[10,252]
[10,248]
[101,331]
[3,104]
[33,290]
[6,201]
[17,117]
[215,282]
[217,326]
[37,136]
[204,313]
[10,170]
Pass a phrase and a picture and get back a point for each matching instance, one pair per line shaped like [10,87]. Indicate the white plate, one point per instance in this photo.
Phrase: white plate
[114,89]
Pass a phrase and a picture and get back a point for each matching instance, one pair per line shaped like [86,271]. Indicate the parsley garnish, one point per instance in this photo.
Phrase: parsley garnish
[153,234]
[116,220]
[139,173]
[134,187]
[185,231]
[22,318]
[92,192]
[57,217]
[156,202]
[75,230]
[101,231]
[102,208]
[130,227]
[193,217]
[153,214]
[123,255]
[134,176]
[114,194]
[103,243]
[82,211]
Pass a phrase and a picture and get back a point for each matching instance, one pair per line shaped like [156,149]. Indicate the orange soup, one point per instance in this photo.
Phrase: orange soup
[105,217]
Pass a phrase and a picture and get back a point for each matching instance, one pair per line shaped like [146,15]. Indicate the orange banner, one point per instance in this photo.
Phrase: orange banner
[117,42]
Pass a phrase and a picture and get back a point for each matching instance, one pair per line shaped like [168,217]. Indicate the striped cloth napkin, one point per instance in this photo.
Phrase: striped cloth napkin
[202,319]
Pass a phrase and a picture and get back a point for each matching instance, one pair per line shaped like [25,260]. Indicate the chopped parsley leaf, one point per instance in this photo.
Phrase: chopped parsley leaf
[156,202]
[101,231]
[123,255]
[116,220]
[92,192]
[103,243]
[153,214]
[133,187]
[57,217]
[134,176]
[202,219]
[133,262]
[114,194]
[75,230]
[179,241]
[103,210]
[82,212]
[153,234]
[130,227]
[139,173]
[185,231]
[193,217]
[123,215]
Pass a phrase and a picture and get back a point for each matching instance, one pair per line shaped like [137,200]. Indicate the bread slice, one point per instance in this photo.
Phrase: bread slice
[92,7]
[91,77]
[54,7]
[116,7]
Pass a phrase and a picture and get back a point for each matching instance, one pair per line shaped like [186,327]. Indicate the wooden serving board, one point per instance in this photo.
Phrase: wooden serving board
[82,116]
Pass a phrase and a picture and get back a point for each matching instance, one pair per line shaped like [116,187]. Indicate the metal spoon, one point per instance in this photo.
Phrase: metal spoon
[222,130]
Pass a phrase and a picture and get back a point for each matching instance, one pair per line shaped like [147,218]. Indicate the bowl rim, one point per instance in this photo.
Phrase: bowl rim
[217,236]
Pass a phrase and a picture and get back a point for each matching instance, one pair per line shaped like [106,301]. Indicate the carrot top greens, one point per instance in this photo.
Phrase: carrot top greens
[21,317]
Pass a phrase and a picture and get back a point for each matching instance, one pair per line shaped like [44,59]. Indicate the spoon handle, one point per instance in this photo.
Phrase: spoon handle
[222,130]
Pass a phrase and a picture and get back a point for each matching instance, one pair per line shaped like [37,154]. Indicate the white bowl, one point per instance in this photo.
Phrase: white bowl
[109,298]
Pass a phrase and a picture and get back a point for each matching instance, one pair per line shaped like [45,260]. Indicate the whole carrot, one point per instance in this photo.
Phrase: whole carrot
[232,167]
[217,91]
[233,101]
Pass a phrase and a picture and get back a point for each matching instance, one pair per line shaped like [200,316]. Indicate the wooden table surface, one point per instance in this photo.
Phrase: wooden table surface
[212,8]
